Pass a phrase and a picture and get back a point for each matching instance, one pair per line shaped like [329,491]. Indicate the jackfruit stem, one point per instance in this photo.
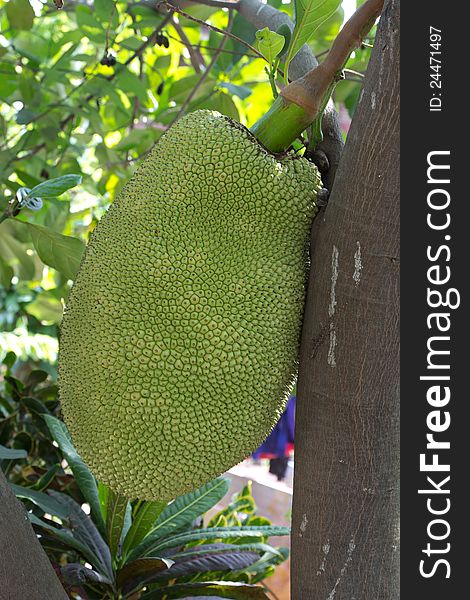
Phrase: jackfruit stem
[302,102]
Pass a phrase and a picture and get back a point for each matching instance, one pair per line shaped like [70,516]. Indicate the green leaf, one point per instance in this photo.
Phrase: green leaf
[104,9]
[215,533]
[182,511]
[55,187]
[269,43]
[215,589]
[6,274]
[138,571]
[232,559]
[131,84]
[77,574]
[62,252]
[221,102]
[309,15]
[221,548]
[20,14]
[24,116]
[116,508]
[65,536]
[85,480]
[242,91]
[11,453]
[46,503]
[85,531]
[142,523]
[286,33]
[42,483]
[15,253]
[46,308]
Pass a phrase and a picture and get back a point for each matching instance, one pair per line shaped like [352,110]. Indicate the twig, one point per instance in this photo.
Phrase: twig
[207,71]
[196,60]
[201,47]
[212,27]
[218,3]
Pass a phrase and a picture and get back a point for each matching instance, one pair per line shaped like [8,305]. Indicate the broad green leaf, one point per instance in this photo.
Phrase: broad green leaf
[269,43]
[85,480]
[6,273]
[52,188]
[45,480]
[309,15]
[65,536]
[46,503]
[139,571]
[215,533]
[77,574]
[130,83]
[231,560]
[215,589]
[85,531]
[20,14]
[221,102]
[11,453]
[24,116]
[104,9]
[115,516]
[46,308]
[62,252]
[14,253]
[221,548]
[142,523]
[242,91]
[182,511]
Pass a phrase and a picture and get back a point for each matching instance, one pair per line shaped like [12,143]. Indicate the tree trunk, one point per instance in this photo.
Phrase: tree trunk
[346,499]
[25,570]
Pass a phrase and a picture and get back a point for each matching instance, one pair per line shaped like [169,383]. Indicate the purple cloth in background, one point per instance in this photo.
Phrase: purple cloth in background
[281,438]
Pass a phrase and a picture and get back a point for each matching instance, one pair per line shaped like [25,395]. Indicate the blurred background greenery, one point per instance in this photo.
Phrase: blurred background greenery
[88,90]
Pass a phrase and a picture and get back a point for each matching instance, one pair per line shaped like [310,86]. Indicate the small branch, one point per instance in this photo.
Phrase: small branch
[356,74]
[207,71]
[201,47]
[212,27]
[218,3]
[303,101]
[196,59]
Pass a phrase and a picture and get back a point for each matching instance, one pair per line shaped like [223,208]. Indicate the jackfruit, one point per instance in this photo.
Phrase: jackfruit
[180,336]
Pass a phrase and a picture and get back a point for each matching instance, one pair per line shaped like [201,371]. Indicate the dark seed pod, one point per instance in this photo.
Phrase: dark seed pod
[108,60]
[159,39]
[162,40]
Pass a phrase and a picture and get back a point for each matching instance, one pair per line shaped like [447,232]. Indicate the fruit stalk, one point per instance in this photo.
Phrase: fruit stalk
[302,102]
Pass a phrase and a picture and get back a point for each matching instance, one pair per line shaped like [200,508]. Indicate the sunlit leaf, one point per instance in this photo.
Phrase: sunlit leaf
[20,14]
[85,479]
[309,15]
[62,252]
[52,188]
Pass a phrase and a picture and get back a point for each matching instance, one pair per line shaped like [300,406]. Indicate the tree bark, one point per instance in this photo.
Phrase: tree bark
[25,570]
[346,499]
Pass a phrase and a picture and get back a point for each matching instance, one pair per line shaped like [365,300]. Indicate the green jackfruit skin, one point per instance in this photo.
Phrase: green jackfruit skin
[180,338]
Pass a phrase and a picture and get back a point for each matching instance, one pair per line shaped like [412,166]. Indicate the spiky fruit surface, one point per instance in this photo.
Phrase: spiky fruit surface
[180,337]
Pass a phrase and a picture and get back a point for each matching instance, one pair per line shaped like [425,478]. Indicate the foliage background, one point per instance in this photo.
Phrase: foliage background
[62,111]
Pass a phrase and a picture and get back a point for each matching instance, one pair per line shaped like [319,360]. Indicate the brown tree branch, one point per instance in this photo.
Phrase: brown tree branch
[197,60]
